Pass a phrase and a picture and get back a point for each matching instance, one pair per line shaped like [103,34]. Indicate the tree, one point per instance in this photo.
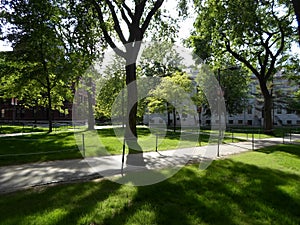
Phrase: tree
[257,34]
[137,19]
[50,37]
[110,84]
[174,90]
[38,47]
[19,80]
[234,83]
[296,5]
[82,49]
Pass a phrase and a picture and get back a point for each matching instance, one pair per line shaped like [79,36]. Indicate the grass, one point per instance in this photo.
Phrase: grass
[261,187]
[38,148]
[7,129]
[59,145]
[146,140]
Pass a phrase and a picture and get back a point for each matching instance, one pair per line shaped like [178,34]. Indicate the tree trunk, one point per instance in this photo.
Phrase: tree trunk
[296,5]
[268,122]
[50,113]
[48,87]
[91,118]
[174,119]
[168,112]
[130,130]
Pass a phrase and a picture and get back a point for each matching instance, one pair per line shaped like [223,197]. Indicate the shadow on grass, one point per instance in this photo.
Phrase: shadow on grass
[228,192]
[19,129]
[37,148]
[111,133]
[64,204]
[293,149]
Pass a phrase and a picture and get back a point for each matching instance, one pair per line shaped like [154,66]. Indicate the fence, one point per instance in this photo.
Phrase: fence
[232,134]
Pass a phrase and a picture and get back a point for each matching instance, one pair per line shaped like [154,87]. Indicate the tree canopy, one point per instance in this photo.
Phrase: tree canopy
[255,34]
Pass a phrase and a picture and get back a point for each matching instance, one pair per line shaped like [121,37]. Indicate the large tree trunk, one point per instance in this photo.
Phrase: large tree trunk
[90,94]
[135,156]
[174,120]
[50,112]
[296,4]
[268,122]
[168,112]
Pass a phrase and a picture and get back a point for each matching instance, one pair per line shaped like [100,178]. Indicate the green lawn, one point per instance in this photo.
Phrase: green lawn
[61,145]
[8,129]
[38,147]
[261,187]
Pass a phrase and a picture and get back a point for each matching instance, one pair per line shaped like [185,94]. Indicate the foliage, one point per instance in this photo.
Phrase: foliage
[234,84]
[260,187]
[38,61]
[256,34]
[109,85]
[174,89]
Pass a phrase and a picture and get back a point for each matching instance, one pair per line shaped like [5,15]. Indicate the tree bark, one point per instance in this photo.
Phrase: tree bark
[174,120]
[130,130]
[268,122]
[296,5]
[168,114]
[90,95]
[50,112]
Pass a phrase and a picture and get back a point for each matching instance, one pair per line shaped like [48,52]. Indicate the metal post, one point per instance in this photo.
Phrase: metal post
[156,142]
[83,146]
[253,140]
[200,128]
[218,153]
[123,156]
[200,139]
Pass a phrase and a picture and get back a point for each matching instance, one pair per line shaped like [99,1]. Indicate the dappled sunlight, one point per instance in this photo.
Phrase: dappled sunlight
[228,192]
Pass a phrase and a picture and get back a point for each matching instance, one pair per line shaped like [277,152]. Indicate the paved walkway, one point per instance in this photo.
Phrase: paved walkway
[19,177]
[14,134]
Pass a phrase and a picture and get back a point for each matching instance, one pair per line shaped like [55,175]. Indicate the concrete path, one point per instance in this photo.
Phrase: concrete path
[13,178]
[14,134]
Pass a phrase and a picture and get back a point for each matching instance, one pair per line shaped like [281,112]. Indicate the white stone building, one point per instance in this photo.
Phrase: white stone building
[252,115]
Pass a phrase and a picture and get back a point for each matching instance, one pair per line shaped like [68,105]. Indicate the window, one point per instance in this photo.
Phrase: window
[249,110]
[279,110]
[208,122]
[289,111]
[230,121]
[240,121]
[298,122]
[249,122]
[289,122]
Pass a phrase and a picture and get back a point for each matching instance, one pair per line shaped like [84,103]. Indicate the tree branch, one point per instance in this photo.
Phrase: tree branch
[116,21]
[240,58]
[139,10]
[125,17]
[146,23]
[128,10]
[103,27]
[296,5]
